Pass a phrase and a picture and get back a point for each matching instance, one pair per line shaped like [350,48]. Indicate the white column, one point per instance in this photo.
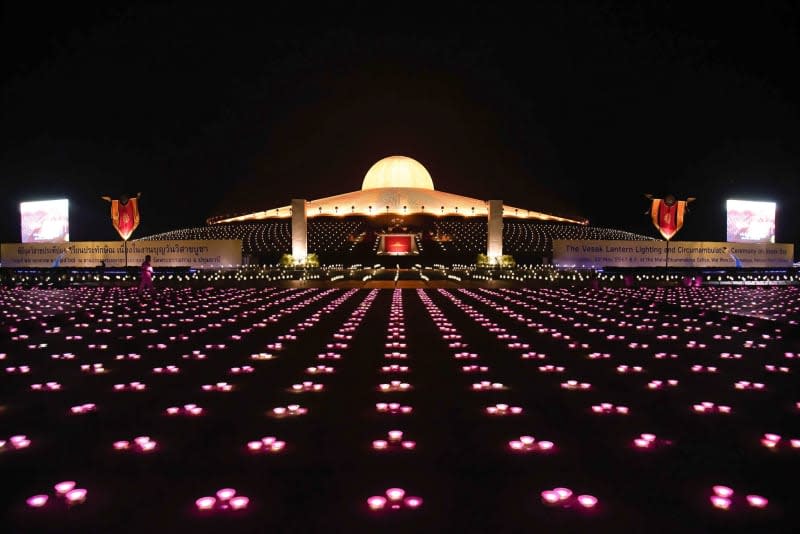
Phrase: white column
[299,230]
[494,231]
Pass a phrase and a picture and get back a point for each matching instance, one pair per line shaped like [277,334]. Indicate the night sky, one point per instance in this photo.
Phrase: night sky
[572,108]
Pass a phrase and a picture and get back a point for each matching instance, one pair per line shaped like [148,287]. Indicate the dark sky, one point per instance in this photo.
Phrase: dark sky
[570,107]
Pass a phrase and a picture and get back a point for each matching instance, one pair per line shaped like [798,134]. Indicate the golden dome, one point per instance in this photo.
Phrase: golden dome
[397,171]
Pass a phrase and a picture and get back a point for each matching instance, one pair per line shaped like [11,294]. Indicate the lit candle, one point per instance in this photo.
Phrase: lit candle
[37,501]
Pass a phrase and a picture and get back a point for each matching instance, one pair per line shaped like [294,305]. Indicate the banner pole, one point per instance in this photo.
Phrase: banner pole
[126,253]
[666,261]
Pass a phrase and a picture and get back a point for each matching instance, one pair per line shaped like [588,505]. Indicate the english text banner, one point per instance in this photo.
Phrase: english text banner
[586,253]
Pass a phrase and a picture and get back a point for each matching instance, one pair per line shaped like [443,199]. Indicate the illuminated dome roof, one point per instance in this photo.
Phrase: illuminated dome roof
[396,185]
[397,171]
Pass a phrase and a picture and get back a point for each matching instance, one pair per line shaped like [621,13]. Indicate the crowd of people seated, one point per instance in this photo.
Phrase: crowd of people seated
[333,237]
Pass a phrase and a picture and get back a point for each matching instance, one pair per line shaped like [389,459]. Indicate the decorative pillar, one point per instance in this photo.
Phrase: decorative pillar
[299,230]
[494,231]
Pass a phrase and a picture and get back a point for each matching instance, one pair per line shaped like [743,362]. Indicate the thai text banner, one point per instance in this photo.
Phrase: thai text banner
[587,253]
[200,254]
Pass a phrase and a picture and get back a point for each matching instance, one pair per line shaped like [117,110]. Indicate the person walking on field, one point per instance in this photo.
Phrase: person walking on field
[146,278]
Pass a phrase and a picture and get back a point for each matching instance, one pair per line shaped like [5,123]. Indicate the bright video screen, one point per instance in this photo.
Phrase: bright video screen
[750,221]
[45,221]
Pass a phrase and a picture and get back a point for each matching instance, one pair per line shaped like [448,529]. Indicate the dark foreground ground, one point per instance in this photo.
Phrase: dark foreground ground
[462,468]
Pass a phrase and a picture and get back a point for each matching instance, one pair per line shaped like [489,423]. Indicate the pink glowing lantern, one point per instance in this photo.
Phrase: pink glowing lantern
[747,385]
[307,386]
[533,356]
[169,369]
[83,409]
[62,488]
[267,444]
[395,494]
[474,369]
[394,386]
[770,440]
[550,497]
[649,441]
[551,369]
[663,355]
[17,442]
[486,385]
[529,444]
[239,502]
[96,368]
[205,503]
[376,502]
[75,496]
[226,499]
[563,493]
[574,385]
[394,368]
[395,499]
[723,503]
[133,386]
[319,369]
[413,502]
[223,387]
[722,491]
[623,369]
[564,498]
[773,441]
[225,494]
[48,386]
[395,441]
[37,501]
[392,408]
[291,410]
[191,410]
[710,407]
[139,444]
[605,408]
[503,409]
[757,501]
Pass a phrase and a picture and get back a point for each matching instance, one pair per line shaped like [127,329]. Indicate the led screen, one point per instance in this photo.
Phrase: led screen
[45,221]
[751,222]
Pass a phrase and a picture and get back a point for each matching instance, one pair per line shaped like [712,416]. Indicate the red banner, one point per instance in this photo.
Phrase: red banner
[668,218]
[125,217]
